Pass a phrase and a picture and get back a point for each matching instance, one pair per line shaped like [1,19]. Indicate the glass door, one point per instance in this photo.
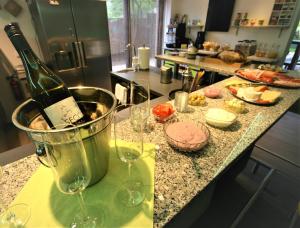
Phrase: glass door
[144,18]
[135,22]
[117,23]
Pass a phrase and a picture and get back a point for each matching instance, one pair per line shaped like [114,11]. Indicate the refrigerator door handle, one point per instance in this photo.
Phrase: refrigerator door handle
[82,52]
[77,54]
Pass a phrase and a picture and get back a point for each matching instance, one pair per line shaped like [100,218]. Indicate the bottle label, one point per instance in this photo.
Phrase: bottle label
[64,112]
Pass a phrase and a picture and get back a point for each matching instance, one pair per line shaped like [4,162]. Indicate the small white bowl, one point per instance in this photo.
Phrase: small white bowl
[220,118]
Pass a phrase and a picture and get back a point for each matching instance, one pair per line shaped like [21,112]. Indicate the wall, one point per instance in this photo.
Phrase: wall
[25,23]
[256,9]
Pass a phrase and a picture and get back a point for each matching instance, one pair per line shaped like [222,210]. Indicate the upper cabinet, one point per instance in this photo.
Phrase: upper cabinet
[219,15]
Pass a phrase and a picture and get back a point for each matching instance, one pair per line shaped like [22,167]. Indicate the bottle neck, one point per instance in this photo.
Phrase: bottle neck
[24,49]
[20,42]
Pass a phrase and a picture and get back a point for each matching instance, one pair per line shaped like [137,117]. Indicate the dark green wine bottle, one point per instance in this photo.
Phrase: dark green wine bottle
[57,105]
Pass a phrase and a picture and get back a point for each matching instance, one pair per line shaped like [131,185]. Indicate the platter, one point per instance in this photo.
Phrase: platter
[254,93]
[209,53]
[269,78]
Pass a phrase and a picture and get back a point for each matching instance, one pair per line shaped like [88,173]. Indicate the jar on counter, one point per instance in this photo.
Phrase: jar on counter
[261,50]
[273,52]
[253,46]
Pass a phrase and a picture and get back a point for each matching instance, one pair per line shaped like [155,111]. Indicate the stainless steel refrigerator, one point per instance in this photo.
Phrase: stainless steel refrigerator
[74,39]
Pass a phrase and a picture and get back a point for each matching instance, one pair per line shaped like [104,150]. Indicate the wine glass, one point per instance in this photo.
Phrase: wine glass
[140,96]
[129,147]
[16,215]
[67,158]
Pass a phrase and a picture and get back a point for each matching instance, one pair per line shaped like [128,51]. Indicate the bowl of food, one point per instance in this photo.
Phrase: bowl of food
[220,118]
[197,99]
[186,135]
[212,92]
[163,112]
[235,105]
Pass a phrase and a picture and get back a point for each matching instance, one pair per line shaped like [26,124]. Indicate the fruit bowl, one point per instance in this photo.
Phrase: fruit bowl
[186,136]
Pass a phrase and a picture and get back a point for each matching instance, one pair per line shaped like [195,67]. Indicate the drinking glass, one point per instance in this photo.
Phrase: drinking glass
[140,97]
[16,215]
[68,161]
[129,147]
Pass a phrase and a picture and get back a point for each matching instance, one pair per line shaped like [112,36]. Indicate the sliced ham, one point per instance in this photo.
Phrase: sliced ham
[269,77]
[186,134]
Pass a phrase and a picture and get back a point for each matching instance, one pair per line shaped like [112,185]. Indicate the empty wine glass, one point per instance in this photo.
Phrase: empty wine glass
[140,96]
[67,158]
[129,147]
[16,215]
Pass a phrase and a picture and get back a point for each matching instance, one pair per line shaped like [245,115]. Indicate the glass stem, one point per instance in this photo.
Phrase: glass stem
[82,206]
[129,170]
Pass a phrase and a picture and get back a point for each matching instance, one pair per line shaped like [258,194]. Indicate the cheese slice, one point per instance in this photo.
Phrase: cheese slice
[270,95]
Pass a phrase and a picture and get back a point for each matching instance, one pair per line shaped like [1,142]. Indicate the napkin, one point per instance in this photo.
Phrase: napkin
[121,93]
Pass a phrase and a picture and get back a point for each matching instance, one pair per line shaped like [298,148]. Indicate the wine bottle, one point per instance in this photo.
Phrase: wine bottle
[57,105]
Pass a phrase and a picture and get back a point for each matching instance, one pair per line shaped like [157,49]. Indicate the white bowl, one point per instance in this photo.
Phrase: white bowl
[221,118]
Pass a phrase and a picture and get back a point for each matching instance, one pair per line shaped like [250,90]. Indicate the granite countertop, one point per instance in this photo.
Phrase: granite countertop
[207,63]
[153,78]
[179,177]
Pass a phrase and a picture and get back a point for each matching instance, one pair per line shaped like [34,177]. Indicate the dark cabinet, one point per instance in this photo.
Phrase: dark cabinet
[219,15]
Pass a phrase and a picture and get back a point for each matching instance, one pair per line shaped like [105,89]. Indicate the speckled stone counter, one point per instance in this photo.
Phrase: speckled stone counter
[180,177]
[15,176]
[208,64]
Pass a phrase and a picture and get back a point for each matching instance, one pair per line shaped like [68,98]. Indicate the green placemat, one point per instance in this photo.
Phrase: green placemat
[51,208]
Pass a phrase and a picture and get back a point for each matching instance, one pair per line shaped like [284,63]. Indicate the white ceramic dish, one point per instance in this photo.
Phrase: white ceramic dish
[220,118]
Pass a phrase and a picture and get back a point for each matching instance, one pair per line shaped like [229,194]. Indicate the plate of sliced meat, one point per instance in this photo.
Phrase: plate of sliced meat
[255,93]
[269,78]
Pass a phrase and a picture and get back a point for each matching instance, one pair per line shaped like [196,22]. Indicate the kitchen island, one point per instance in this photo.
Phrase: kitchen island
[206,63]
[180,177]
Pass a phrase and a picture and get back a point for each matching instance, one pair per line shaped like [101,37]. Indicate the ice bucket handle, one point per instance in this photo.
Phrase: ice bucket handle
[41,155]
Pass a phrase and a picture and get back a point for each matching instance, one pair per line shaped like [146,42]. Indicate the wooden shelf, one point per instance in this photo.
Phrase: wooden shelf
[281,27]
[261,26]
[194,26]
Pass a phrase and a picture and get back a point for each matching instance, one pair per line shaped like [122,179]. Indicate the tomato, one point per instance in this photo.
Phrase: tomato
[232,90]
[162,111]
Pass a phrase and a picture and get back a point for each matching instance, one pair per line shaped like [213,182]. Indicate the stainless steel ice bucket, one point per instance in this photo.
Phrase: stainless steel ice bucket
[95,133]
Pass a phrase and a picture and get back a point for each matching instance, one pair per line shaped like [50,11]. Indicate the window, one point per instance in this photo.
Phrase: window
[137,24]
[117,33]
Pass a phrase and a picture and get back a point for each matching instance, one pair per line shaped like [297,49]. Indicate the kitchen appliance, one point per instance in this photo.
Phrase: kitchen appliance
[166,75]
[95,133]
[247,47]
[74,40]
[180,35]
[12,92]
[200,40]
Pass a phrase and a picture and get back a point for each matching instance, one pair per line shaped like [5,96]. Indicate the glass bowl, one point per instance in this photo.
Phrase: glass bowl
[219,122]
[183,144]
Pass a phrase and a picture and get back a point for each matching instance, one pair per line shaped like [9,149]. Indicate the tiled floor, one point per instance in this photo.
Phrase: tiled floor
[273,208]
